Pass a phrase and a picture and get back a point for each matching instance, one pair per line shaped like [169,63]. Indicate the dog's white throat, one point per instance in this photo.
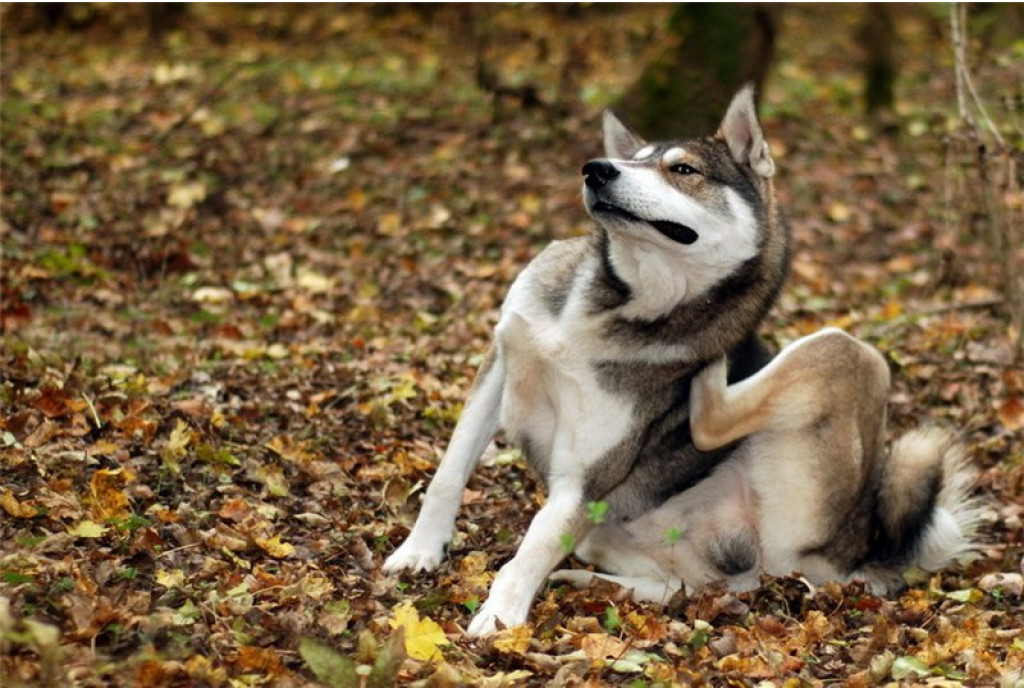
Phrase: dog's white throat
[653,275]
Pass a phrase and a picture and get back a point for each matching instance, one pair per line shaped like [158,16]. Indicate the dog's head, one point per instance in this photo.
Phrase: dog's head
[704,199]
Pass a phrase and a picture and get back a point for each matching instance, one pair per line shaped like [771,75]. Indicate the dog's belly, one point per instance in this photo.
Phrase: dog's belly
[553,405]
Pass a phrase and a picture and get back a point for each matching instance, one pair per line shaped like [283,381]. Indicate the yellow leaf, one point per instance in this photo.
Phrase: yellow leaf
[513,640]
[275,547]
[170,578]
[15,508]
[838,212]
[108,499]
[87,529]
[176,447]
[422,636]
[390,224]
[186,194]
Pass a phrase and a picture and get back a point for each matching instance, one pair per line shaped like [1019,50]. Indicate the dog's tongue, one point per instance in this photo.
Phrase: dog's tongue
[675,231]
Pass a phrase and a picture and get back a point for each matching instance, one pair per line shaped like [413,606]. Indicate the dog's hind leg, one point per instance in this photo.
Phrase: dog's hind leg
[424,548]
[790,393]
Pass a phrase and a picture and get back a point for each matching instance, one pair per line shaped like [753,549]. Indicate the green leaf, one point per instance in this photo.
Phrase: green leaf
[700,636]
[330,668]
[612,620]
[385,667]
[906,665]
[596,511]
[15,578]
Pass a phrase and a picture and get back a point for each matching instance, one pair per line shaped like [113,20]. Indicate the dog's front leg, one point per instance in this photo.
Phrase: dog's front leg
[424,548]
[562,519]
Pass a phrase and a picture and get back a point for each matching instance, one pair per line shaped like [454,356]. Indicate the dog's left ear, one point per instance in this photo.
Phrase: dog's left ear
[619,140]
[742,132]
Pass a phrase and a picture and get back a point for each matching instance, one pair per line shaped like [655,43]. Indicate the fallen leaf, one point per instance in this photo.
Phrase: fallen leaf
[259,659]
[603,646]
[422,635]
[107,489]
[177,445]
[15,508]
[905,666]
[329,666]
[1011,413]
[170,578]
[513,640]
[87,529]
[275,547]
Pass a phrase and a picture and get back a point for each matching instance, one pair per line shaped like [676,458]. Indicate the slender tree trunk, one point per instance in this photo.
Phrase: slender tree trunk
[717,49]
[878,34]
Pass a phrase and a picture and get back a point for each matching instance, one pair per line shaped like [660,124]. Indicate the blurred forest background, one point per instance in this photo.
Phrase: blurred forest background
[252,255]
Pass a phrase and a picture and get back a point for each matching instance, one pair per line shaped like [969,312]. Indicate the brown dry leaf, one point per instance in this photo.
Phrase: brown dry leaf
[599,646]
[56,402]
[107,490]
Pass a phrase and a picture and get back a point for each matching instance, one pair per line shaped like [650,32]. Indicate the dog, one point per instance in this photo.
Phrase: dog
[603,345]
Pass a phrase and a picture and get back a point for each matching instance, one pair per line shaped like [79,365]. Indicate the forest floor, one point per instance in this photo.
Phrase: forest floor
[252,259]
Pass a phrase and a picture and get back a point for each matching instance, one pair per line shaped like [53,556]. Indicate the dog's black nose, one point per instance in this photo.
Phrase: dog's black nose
[597,173]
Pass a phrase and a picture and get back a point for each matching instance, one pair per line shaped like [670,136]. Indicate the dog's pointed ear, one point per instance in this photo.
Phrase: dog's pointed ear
[742,132]
[619,140]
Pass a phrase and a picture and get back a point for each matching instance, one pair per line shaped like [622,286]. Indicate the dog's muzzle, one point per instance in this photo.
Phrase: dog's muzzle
[599,172]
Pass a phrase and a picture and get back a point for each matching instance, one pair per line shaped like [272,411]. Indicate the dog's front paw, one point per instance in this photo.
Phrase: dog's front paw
[414,557]
[577,578]
[486,620]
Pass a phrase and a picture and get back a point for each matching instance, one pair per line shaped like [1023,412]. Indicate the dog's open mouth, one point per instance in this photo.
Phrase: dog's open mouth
[677,232]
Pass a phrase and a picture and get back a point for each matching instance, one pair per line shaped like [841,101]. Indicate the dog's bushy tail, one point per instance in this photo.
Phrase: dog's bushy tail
[925,515]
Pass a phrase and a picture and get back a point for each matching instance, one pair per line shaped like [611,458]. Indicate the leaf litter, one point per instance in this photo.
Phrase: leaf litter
[249,269]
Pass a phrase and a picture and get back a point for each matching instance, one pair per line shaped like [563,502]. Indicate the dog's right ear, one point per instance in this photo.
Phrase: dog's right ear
[619,140]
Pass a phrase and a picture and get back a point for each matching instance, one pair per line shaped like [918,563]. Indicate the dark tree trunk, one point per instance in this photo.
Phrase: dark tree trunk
[879,36]
[717,49]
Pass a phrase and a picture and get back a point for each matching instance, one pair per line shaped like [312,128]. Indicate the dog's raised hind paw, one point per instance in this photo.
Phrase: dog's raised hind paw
[414,558]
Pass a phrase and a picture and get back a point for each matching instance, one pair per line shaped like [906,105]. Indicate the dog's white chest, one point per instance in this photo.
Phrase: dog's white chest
[554,405]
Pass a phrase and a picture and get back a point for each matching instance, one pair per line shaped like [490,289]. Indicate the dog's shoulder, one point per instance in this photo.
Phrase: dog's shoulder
[551,275]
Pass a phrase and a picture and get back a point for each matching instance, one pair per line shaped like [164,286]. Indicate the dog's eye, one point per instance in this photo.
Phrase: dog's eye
[684,169]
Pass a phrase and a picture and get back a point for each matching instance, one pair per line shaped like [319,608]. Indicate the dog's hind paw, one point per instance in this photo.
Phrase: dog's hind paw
[414,558]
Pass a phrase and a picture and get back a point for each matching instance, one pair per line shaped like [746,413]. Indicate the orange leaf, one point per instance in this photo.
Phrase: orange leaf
[259,659]
[1011,413]
[108,499]
[234,509]
[52,402]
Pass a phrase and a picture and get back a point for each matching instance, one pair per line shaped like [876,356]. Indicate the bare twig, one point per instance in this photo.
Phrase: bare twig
[964,83]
